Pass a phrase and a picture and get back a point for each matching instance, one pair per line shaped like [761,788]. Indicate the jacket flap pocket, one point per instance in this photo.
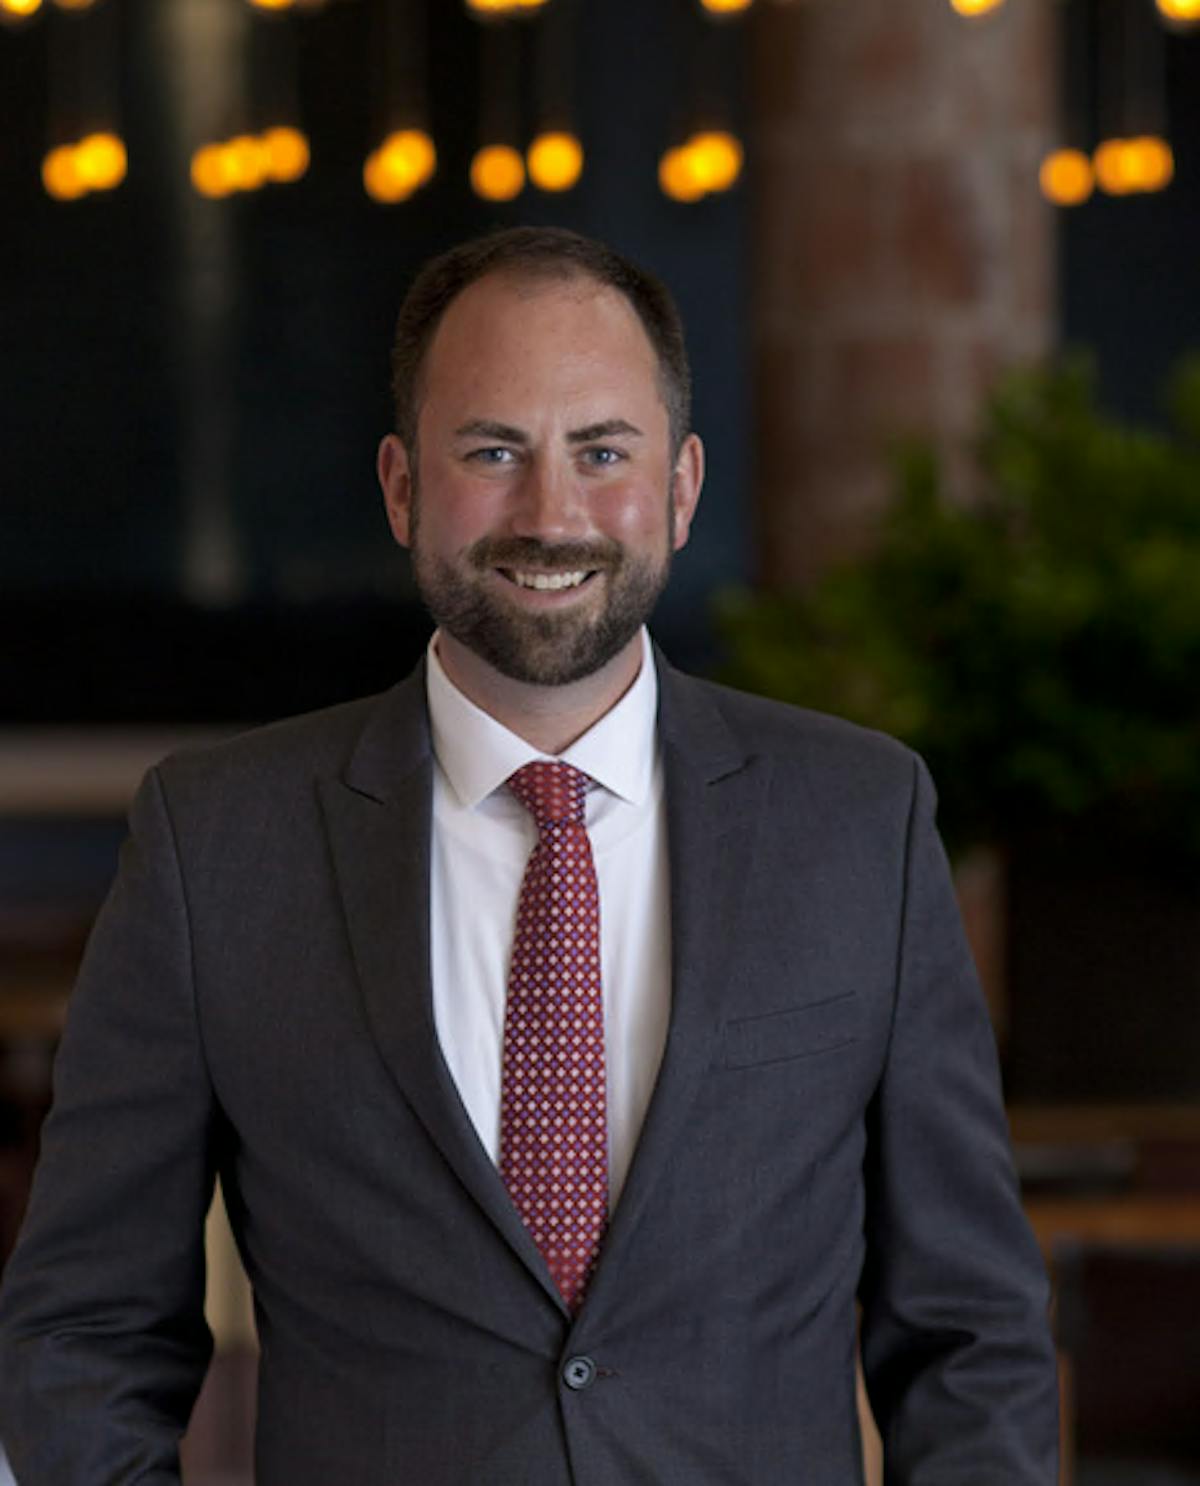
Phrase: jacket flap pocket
[795,1033]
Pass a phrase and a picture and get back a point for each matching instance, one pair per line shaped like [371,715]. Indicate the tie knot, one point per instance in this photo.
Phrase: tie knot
[553,793]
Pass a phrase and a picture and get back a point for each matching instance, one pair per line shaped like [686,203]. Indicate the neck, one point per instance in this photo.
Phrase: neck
[550,718]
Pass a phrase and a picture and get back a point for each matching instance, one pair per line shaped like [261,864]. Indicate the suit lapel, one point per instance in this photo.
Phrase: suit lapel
[379,820]
[715,793]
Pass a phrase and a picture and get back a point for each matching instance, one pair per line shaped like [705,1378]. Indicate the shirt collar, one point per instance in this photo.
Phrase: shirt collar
[477,754]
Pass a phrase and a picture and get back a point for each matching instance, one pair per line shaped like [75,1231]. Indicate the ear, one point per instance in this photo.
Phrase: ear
[396,481]
[686,481]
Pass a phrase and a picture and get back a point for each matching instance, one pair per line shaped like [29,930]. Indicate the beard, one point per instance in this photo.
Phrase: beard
[551,649]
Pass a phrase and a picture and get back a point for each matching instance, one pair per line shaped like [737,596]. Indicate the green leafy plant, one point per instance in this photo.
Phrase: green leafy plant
[1039,646]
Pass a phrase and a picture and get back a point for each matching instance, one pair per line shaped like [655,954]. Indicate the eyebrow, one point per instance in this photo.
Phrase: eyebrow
[484,428]
[610,428]
[506,433]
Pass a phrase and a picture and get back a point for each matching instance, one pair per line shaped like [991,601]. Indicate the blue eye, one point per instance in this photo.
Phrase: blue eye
[603,456]
[495,454]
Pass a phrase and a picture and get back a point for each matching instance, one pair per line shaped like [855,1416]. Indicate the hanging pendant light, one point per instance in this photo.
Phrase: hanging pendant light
[555,157]
[707,155]
[1066,175]
[87,153]
[405,157]
[1134,155]
[267,146]
[497,171]
[1180,13]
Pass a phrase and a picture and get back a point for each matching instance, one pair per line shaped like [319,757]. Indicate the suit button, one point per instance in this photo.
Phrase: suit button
[579,1372]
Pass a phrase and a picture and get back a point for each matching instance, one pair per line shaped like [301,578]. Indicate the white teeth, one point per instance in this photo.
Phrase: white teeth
[549,580]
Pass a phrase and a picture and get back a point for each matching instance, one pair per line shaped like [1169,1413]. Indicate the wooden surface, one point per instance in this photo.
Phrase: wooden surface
[25,1014]
[1142,1220]
[73,771]
[1033,1124]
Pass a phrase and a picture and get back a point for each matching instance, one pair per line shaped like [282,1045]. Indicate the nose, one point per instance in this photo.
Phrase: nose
[548,502]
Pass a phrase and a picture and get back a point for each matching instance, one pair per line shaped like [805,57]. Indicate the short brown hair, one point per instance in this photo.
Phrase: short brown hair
[536,252]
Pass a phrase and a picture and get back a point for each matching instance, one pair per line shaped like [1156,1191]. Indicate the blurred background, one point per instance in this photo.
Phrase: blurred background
[937,263]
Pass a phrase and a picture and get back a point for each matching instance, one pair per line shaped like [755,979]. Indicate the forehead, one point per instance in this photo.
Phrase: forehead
[538,331]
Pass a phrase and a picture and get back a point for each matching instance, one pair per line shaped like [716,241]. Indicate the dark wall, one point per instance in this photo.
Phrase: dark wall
[1127,266]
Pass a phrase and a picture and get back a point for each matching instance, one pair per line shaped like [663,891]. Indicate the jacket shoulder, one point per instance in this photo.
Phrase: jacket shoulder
[275,765]
[810,741]
[307,741]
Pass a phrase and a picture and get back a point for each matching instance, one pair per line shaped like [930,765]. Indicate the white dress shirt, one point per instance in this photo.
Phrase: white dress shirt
[482,838]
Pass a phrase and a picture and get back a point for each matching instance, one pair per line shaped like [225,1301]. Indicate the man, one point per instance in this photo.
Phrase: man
[526,1196]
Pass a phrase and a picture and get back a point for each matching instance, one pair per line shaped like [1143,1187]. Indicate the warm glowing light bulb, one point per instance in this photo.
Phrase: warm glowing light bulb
[1112,163]
[726,7]
[247,161]
[714,158]
[497,172]
[1185,11]
[1109,164]
[1066,177]
[491,7]
[60,174]
[287,153]
[1153,162]
[676,176]
[555,161]
[1125,166]
[211,173]
[101,161]
[20,8]
[272,4]
[409,157]
[381,184]
[975,7]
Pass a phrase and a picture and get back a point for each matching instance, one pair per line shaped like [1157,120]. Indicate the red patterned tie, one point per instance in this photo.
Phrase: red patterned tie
[553,1131]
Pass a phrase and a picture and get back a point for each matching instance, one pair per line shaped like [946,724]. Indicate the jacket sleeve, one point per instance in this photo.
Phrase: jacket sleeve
[103,1343]
[956,1345]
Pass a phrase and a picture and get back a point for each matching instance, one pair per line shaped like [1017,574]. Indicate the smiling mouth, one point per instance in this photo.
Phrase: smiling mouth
[547,582]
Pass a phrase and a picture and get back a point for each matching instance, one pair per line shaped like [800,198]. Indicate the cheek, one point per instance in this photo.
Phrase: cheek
[632,512]
[453,517]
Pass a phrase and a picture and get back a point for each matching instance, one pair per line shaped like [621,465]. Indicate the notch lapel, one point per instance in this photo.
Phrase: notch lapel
[715,793]
[378,816]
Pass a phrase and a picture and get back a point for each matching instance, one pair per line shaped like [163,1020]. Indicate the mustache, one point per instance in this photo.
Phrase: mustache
[532,554]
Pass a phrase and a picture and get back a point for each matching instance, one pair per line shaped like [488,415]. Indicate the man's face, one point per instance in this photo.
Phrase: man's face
[549,502]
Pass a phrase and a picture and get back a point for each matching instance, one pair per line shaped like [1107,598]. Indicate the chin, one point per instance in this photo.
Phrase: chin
[547,650]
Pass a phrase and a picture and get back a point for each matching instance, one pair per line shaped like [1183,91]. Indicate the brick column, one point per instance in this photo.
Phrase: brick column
[903,253]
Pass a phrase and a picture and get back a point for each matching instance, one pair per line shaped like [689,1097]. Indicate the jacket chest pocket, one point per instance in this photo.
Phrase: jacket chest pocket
[795,1032]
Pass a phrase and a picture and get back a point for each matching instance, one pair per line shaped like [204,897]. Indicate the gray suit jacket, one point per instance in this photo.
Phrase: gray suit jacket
[826,1129]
